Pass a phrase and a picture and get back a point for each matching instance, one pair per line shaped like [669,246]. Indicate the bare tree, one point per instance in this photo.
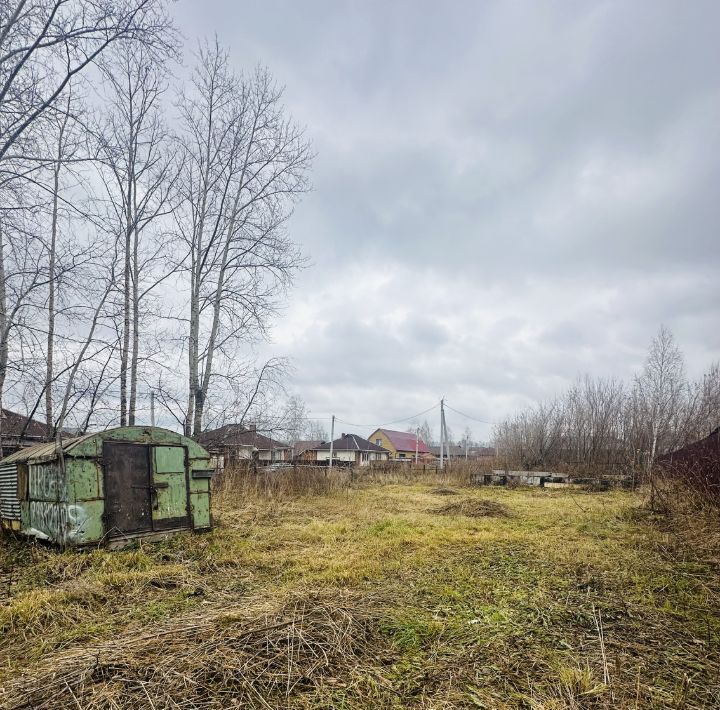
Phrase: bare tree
[140,182]
[65,145]
[315,430]
[660,388]
[100,294]
[44,44]
[604,423]
[294,419]
[23,278]
[245,165]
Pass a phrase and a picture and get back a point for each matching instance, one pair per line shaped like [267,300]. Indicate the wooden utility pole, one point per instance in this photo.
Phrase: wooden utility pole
[152,407]
[417,442]
[442,431]
[332,436]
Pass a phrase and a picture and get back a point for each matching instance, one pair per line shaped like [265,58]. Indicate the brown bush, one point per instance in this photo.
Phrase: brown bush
[246,481]
[232,485]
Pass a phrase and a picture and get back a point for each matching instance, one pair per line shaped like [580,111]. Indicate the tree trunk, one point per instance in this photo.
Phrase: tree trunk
[195,279]
[194,334]
[125,348]
[3,331]
[49,369]
[127,276]
[135,324]
[202,390]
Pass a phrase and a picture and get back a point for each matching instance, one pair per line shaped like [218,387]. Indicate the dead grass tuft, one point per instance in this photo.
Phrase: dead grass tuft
[444,492]
[256,658]
[474,508]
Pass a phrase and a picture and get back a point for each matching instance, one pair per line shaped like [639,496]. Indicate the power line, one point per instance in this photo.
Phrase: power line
[467,416]
[395,421]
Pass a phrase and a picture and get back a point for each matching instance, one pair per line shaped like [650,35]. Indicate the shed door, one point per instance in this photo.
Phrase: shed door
[127,488]
[170,505]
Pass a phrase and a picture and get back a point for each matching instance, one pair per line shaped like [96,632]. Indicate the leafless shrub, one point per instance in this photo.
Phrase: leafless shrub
[243,482]
[606,427]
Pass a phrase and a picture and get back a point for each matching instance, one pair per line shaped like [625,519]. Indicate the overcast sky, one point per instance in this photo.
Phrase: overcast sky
[506,194]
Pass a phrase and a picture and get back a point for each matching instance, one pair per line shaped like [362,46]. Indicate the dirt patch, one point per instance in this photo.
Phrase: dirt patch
[444,492]
[473,508]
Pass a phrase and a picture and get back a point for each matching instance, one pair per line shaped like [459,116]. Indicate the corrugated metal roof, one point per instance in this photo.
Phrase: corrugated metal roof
[403,441]
[44,451]
[47,450]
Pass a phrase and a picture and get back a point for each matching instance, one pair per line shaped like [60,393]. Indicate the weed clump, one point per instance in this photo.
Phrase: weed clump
[444,492]
[474,508]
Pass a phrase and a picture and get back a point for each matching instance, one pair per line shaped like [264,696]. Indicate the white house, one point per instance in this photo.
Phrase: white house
[352,450]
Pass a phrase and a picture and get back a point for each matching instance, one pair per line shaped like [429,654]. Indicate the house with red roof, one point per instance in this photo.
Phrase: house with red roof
[401,444]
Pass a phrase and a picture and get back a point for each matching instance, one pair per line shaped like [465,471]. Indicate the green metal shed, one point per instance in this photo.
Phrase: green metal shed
[107,488]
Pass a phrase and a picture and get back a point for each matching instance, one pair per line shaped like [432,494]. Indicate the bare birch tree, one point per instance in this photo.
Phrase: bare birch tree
[65,147]
[140,183]
[661,386]
[245,165]
[99,295]
[44,46]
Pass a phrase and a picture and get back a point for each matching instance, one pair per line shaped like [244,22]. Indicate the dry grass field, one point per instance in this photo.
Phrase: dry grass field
[377,596]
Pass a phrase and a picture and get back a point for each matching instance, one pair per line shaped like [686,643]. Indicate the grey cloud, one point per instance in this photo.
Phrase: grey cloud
[537,182]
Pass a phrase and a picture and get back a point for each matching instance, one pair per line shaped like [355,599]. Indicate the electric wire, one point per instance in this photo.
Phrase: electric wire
[467,416]
[394,421]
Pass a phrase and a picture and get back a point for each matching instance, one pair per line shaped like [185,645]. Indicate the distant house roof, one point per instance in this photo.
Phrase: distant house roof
[478,451]
[14,424]
[300,447]
[350,442]
[450,450]
[238,435]
[403,441]
[474,452]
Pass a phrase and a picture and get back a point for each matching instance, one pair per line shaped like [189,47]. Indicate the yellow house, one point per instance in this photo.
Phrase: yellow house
[400,444]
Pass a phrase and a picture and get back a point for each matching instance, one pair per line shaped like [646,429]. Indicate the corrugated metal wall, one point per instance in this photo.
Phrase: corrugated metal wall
[9,504]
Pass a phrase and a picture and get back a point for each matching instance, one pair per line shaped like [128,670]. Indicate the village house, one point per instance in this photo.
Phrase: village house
[234,443]
[450,451]
[19,431]
[304,451]
[482,452]
[401,445]
[351,450]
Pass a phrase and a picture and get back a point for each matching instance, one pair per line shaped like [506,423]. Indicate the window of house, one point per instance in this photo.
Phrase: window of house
[402,456]
[378,442]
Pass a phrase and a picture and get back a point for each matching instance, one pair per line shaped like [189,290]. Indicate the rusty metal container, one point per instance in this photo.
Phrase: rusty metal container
[108,488]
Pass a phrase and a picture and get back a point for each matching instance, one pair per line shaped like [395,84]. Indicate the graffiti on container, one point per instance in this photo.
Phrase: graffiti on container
[59,520]
[47,482]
